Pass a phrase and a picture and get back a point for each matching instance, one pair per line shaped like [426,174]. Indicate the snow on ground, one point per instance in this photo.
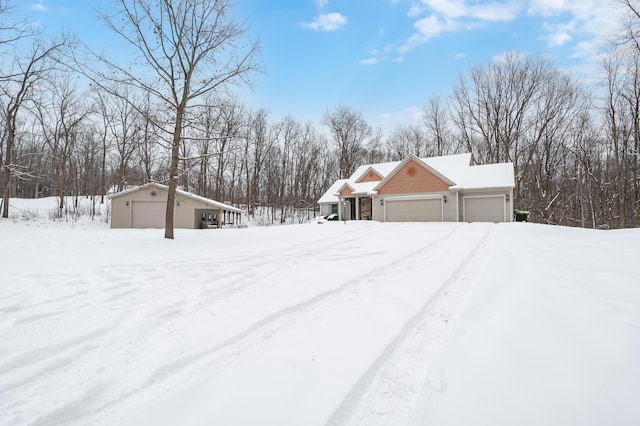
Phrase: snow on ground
[364,323]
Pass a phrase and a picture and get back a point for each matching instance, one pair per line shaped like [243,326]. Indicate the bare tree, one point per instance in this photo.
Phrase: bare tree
[407,139]
[435,118]
[259,139]
[20,78]
[186,50]
[520,109]
[630,26]
[622,118]
[61,115]
[622,114]
[231,114]
[350,131]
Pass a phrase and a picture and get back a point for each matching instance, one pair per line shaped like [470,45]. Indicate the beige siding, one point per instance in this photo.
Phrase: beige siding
[413,178]
[346,192]
[378,209]
[325,209]
[371,176]
[120,213]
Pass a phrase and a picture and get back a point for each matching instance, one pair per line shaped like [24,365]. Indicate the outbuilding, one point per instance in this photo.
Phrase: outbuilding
[146,206]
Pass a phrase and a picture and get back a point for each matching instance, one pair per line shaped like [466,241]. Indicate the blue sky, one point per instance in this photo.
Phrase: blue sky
[385,58]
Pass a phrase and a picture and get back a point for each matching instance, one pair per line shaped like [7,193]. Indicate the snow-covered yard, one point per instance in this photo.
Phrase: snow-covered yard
[358,324]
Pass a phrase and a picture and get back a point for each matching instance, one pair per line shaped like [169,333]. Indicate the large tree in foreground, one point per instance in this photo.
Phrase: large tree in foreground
[185,50]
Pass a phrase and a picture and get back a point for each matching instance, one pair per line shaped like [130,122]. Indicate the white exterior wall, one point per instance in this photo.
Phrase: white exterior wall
[325,208]
[378,210]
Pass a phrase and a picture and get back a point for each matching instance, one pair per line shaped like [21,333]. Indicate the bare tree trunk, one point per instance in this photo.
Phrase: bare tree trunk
[173,172]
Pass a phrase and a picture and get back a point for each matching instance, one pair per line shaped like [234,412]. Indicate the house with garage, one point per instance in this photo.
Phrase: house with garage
[146,206]
[435,189]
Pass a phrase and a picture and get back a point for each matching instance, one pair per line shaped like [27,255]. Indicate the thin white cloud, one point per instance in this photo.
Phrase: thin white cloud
[591,21]
[370,61]
[415,10]
[40,7]
[492,11]
[428,28]
[327,22]
[587,49]
[455,15]
[558,34]
[546,7]
[321,3]
[579,27]
[412,115]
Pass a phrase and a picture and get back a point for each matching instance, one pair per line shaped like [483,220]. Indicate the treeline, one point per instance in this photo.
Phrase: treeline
[575,148]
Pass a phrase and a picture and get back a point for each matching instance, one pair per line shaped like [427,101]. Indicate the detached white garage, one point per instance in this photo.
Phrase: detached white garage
[413,210]
[146,207]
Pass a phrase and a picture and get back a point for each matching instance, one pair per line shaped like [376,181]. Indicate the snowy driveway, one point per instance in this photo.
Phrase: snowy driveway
[309,324]
[289,321]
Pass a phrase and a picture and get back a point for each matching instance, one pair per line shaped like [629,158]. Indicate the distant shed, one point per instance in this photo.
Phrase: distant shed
[146,206]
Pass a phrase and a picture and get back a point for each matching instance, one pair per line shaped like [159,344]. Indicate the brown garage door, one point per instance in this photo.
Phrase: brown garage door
[484,209]
[148,214]
[424,210]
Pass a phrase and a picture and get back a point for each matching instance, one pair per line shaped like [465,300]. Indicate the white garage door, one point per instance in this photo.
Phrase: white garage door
[424,210]
[484,209]
[148,214]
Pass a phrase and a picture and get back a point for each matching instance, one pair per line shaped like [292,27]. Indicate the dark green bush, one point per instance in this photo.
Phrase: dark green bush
[521,215]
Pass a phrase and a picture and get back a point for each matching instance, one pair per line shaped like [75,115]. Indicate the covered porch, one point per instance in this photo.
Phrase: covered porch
[215,218]
[355,207]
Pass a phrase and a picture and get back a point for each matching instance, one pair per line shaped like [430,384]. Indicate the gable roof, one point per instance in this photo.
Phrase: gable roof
[382,169]
[345,185]
[422,163]
[370,170]
[180,192]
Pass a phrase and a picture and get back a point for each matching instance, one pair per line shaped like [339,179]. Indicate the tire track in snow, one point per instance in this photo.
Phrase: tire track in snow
[225,352]
[302,249]
[387,392]
[240,268]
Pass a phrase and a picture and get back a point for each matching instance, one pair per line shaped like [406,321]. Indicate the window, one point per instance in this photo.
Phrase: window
[334,209]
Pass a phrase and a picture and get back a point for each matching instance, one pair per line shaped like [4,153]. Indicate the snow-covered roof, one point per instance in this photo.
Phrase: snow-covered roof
[488,176]
[180,192]
[330,196]
[363,188]
[383,169]
[455,168]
